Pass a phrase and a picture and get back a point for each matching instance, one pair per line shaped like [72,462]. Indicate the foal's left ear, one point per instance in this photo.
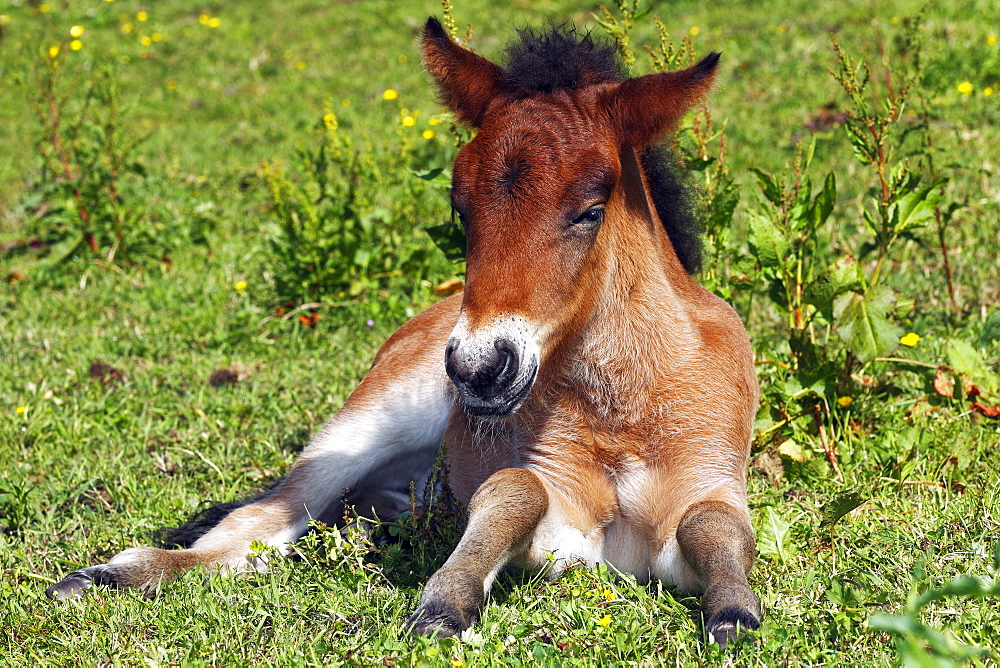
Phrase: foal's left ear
[648,107]
[468,83]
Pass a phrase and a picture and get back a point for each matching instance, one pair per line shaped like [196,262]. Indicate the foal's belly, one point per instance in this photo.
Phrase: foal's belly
[557,546]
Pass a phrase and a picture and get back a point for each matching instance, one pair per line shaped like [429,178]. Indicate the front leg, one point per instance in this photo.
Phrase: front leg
[503,513]
[717,541]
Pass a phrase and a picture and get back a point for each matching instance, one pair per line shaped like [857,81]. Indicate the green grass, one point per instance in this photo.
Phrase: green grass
[89,468]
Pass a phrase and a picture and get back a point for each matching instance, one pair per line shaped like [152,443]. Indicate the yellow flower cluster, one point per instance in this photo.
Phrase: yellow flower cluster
[210,21]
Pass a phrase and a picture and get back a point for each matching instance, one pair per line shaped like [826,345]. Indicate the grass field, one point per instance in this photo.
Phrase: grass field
[110,429]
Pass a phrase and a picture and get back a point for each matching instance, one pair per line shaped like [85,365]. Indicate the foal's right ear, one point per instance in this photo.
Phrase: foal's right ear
[468,83]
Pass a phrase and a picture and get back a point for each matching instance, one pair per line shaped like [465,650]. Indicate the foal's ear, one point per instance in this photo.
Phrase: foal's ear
[648,107]
[468,83]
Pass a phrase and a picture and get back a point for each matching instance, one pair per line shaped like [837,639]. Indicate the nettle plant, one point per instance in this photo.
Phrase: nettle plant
[839,311]
[336,236]
[92,198]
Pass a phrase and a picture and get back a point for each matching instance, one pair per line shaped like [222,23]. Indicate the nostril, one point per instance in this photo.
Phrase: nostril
[508,363]
[449,359]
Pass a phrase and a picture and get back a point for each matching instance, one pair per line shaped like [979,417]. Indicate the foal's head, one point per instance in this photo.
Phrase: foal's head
[550,192]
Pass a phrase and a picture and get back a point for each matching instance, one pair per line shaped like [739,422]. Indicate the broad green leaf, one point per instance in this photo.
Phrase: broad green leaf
[862,322]
[901,625]
[825,201]
[438,177]
[799,214]
[794,451]
[914,208]
[768,186]
[723,206]
[450,238]
[841,276]
[769,245]
[773,539]
[963,358]
[834,509]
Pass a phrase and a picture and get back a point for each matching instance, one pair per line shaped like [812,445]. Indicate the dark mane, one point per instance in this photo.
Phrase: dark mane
[560,58]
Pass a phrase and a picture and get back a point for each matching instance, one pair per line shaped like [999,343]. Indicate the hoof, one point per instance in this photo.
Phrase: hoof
[733,623]
[70,587]
[436,621]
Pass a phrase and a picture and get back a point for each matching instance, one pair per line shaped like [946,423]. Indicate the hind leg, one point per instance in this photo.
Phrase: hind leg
[386,435]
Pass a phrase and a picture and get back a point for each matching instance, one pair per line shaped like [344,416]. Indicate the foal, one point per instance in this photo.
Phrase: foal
[596,402]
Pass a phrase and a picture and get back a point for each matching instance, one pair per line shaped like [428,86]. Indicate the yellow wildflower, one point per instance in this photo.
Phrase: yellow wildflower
[345,102]
[203,19]
[894,20]
[608,596]
[300,65]
[242,285]
[987,91]
[782,29]
[434,121]
[428,134]
[157,37]
[389,94]
[604,621]
[844,402]
[44,8]
[910,339]
[402,59]
[966,88]
[409,121]
[76,45]
[145,40]
[991,40]
[127,28]
[694,31]
[214,22]
[76,31]
[141,16]
[172,85]
[21,410]
[53,51]
[329,119]
[456,663]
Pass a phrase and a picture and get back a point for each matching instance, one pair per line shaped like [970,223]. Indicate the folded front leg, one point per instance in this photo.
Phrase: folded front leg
[502,515]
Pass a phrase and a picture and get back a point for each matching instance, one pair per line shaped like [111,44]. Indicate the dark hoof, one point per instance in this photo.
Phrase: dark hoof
[436,621]
[729,624]
[71,586]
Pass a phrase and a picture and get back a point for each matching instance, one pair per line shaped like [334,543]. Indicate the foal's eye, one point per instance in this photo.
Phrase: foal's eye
[592,217]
